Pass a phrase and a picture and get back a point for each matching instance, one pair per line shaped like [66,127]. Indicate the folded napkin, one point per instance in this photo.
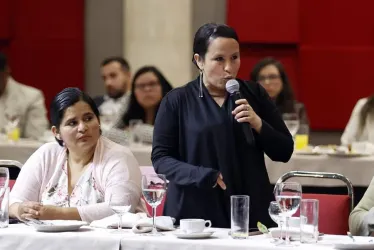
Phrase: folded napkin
[139,222]
[293,232]
[164,223]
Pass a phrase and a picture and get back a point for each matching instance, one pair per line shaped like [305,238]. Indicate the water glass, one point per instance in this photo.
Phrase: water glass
[276,215]
[154,189]
[135,136]
[292,122]
[239,216]
[288,196]
[309,209]
[4,177]
[4,207]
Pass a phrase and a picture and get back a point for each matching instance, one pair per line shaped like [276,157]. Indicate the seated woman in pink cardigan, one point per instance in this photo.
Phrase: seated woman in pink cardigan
[73,178]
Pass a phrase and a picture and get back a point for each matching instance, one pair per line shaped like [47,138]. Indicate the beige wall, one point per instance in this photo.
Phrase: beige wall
[103,38]
[158,32]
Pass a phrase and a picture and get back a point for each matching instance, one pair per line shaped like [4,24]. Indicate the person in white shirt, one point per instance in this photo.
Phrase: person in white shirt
[21,105]
[115,72]
[360,127]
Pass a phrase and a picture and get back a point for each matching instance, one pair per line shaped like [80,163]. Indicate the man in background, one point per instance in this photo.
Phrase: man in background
[115,72]
[20,105]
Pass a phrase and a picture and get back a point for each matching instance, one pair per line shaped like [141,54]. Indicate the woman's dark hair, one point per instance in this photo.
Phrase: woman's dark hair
[65,99]
[208,32]
[135,111]
[366,111]
[285,101]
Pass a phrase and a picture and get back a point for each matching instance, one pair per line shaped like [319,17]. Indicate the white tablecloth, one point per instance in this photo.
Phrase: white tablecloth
[19,237]
[359,170]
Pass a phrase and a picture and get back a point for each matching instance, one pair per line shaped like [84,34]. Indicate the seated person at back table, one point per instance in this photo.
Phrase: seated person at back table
[271,75]
[73,178]
[148,88]
[362,215]
[22,103]
[116,75]
[360,127]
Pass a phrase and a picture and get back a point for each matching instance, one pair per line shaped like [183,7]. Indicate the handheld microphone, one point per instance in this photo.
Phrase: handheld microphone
[232,86]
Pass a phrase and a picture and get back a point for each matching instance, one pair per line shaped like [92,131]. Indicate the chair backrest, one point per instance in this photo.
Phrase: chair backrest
[334,209]
[13,166]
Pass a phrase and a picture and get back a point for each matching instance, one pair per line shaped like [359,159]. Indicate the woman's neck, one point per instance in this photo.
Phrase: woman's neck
[150,115]
[80,159]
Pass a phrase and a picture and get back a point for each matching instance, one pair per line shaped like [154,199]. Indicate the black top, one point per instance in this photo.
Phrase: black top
[195,139]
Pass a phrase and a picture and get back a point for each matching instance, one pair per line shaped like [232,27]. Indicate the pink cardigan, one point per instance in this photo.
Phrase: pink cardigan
[115,170]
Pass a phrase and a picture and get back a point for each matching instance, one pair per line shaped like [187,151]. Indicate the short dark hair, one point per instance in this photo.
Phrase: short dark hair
[135,111]
[208,32]
[285,101]
[3,62]
[125,65]
[65,99]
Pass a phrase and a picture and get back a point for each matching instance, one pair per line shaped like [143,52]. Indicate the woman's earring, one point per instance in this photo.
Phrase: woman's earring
[201,84]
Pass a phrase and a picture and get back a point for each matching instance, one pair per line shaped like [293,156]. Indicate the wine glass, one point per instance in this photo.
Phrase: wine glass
[118,208]
[288,196]
[154,189]
[276,215]
[292,122]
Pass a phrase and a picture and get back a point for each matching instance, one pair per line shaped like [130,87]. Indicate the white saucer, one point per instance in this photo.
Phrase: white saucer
[59,225]
[202,235]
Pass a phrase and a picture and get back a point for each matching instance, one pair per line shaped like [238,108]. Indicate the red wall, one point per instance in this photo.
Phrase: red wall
[327,47]
[44,41]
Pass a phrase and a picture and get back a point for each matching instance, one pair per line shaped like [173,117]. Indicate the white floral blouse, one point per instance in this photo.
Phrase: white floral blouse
[85,191]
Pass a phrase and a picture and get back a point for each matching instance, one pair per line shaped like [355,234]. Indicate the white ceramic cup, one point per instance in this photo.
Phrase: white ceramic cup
[194,225]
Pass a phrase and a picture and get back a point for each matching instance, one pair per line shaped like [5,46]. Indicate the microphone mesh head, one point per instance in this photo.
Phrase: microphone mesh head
[232,86]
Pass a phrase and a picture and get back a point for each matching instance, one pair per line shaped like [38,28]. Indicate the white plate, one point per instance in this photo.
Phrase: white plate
[59,225]
[355,245]
[202,235]
[350,155]
[305,152]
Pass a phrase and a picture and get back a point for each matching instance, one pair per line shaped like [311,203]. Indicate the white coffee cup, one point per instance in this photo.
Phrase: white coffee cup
[194,225]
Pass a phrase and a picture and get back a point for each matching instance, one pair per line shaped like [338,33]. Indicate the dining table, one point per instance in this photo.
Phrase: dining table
[21,236]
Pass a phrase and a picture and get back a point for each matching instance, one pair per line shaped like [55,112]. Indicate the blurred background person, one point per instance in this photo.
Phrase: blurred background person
[199,144]
[115,72]
[148,88]
[20,105]
[270,73]
[360,127]
[73,178]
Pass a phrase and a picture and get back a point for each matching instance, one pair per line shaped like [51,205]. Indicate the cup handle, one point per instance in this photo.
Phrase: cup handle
[209,223]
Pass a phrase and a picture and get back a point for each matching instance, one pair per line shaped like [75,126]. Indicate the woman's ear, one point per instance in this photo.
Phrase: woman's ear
[199,61]
[55,132]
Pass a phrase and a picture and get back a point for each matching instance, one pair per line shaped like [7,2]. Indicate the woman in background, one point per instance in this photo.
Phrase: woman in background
[270,73]
[73,178]
[360,127]
[148,88]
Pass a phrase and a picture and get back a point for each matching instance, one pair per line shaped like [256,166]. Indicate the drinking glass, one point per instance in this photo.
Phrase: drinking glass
[276,215]
[154,189]
[135,138]
[239,216]
[119,209]
[4,179]
[292,122]
[288,196]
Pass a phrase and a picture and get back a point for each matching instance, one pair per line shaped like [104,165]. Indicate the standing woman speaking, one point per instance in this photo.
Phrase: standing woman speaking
[199,142]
